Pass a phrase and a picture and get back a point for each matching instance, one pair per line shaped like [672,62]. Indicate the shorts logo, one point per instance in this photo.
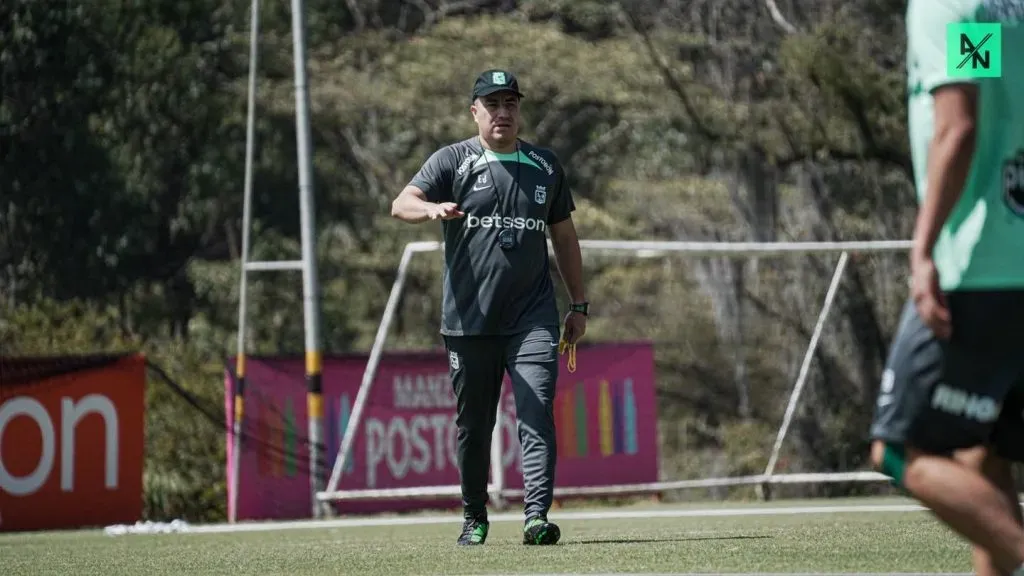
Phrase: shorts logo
[888,381]
[1013,183]
[888,385]
[453,359]
[961,403]
[540,195]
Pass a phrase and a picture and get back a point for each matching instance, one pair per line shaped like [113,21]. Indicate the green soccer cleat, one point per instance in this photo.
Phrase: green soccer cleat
[539,532]
[474,532]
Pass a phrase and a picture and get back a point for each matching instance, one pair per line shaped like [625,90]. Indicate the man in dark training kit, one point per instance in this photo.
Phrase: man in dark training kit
[498,199]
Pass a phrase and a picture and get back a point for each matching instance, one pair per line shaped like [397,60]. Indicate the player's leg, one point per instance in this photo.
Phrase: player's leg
[971,504]
[913,369]
[981,367]
[1008,447]
[998,471]
[476,365]
[913,366]
[532,359]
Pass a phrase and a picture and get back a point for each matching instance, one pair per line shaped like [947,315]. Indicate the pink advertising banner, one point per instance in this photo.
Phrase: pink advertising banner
[605,420]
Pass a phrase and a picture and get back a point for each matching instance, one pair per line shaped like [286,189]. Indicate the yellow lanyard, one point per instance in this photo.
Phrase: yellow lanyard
[562,347]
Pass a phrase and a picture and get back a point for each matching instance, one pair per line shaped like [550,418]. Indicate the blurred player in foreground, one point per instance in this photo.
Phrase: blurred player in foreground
[496,196]
[950,413]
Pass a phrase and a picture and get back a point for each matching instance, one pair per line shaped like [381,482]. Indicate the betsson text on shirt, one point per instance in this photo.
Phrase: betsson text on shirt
[515,223]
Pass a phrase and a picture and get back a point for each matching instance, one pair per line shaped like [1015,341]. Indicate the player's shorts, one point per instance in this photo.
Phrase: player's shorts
[940,396]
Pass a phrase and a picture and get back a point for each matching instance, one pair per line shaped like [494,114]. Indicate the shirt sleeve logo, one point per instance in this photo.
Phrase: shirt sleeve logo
[547,166]
[466,163]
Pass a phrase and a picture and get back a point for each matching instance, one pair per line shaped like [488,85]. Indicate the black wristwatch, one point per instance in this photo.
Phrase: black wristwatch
[581,307]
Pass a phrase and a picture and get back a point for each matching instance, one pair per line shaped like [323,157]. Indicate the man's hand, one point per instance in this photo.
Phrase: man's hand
[575,327]
[412,206]
[931,304]
[444,211]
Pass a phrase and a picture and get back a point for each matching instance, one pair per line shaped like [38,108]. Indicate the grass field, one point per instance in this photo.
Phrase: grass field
[833,536]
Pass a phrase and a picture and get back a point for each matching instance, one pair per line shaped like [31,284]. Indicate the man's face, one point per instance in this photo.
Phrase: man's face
[497,116]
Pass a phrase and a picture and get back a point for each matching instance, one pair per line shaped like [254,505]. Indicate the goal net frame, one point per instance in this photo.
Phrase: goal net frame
[641,249]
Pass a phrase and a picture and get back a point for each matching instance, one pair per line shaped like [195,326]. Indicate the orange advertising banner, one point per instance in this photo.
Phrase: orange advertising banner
[71,442]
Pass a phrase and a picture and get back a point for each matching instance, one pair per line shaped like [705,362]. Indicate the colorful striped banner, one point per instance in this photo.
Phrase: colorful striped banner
[581,421]
[605,422]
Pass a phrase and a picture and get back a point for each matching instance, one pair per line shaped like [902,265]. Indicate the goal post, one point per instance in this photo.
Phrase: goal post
[642,249]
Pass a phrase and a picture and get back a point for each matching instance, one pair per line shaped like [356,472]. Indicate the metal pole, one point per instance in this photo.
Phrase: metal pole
[801,379]
[363,395]
[250,131]
[497,455]
[310,288]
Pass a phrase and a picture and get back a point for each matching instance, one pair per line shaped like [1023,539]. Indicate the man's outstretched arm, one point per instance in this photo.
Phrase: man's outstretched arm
[412,206]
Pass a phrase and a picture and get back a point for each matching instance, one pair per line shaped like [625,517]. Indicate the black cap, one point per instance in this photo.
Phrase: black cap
[493,81]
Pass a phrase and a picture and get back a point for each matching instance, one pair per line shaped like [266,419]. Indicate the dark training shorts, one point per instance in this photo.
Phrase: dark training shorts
[940,396]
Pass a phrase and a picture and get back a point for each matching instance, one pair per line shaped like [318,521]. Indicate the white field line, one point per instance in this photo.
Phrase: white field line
[778,574]
[182,528]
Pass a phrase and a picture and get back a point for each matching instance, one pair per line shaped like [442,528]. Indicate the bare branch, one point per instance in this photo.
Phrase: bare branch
[432,15]
[357,14]
[779,19]
[673,83]
[604,139]
[872,148]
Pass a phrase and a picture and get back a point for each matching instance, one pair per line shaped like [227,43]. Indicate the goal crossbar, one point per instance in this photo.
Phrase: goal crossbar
[642,249]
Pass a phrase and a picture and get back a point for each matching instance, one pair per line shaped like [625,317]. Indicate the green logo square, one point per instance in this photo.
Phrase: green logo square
[974,50]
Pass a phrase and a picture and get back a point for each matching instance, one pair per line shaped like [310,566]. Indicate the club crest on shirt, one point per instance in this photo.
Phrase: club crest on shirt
[481,182]
[1013,183]
[540,195]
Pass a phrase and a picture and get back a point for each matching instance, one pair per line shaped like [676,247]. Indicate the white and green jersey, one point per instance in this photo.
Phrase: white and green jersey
[981,246]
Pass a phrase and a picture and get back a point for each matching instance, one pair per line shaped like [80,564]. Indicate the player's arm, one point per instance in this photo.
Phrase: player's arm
[953,108]
[569,258]
[411,205]
[564,241]
[949,161]
[429,195]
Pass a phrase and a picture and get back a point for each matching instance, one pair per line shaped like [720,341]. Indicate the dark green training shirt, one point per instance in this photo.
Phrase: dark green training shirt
[488,290]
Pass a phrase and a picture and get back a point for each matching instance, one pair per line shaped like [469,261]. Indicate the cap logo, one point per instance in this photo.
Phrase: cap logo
[498,77]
